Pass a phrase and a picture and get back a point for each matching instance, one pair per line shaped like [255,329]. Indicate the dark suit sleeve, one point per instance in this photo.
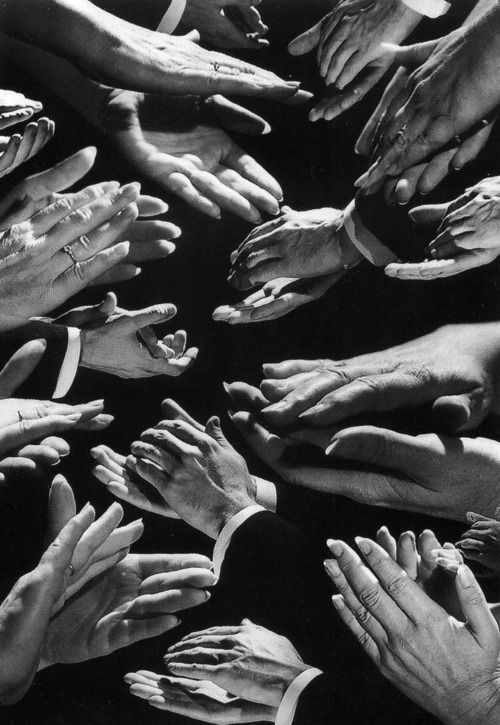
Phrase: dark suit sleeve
[393,228]
[147,13]
[43,382]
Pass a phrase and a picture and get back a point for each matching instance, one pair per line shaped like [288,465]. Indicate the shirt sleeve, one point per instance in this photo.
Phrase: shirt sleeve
[364,240]
[172,17]
[288,706]
[70,364]
[266,494]
[225,536]
[430,8]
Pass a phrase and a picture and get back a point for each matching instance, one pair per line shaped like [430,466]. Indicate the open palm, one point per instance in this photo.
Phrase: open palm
[135,600]
[199,163]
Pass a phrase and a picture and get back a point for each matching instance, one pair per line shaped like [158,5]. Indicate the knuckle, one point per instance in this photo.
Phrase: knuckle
[370,597]
[398,586]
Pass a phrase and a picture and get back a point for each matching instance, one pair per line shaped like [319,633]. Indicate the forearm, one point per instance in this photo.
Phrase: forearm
[479,9]
[84,95]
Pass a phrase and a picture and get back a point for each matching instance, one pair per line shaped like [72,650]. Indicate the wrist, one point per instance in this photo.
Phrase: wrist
[349,254]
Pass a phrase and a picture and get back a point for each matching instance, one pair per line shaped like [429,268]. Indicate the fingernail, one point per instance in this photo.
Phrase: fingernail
[465,576]
[331,448]
[332,567]
[97,403]
[471,516]
[335,547]
[363,545]
[338,602]
[74,417]
[207,596]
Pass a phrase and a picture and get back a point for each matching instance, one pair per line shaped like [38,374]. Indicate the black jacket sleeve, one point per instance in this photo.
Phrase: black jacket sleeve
[147,13]
[43,382]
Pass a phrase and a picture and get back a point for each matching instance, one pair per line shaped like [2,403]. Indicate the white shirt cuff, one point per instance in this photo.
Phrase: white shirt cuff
[365,242]
[225,536]
[266,494]
[172,17]
[288,706]
[70,364]
[430,8]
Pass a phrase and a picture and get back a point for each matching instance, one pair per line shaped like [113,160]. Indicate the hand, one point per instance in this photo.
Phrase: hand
[199,163]
[26,612]
[198,473]
[432,566]
[453,368]
[348,40]
[17,149]
[196,699]
[298,244]
[122,482]
[81,227]
[103,545]
[249,661]
[135,600]
[466,233]
[481,543]
[226,23]
[276,299]
[427,474]
[447,667]
[126,346]
[446,96]
[15,108]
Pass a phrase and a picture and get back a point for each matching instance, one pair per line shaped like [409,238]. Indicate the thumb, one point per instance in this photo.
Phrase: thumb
[220,111]
[307,41]
[214,430]
[269,447]
[151,316]
[460,412]
[193,36]
[428,213]
[475,608]
[410,455]
[409,56]
[20,366]
[61,507]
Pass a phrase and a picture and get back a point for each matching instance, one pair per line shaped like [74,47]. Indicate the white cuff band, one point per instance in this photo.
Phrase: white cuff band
[172,17]
[288,706]
[70,364]
[430,8]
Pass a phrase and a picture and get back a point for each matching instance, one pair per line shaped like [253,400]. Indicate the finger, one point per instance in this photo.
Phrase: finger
[461,412]
[435,268]
[474,606]
[9,155]
[307,41]
[387,542]
[224,196]
[181,185]
[173,411]
[409,454]
[192,577]
[471,147]
[249,169]
[26,431]
[357,630]
[407,557]
[80,275]
[428,213]
[21,366]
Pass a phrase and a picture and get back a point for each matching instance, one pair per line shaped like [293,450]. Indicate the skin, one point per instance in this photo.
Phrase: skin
[126,346]
[481,543]
[321,393]
[197,162]
[216,28]
[428,474]
[349,56]
[297,244]
[135,600]
[21,147]
[275,299]
[467,233]
[448,667]
[15,108]
[123,55]
[433,109]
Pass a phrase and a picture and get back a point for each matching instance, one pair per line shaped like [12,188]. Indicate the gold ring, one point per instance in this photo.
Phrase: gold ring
[67,250]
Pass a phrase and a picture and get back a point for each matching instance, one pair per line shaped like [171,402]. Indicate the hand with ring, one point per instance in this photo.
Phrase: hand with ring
[37,275]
